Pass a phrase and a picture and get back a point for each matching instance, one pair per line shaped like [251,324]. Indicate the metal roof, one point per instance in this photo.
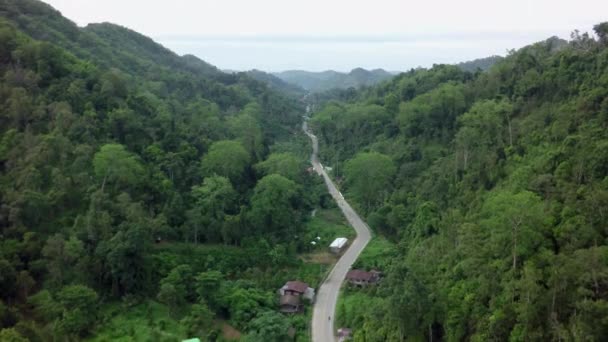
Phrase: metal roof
[339,242]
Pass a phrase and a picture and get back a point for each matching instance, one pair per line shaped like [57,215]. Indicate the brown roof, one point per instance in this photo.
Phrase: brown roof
[289,300]
[296,286]
[360,275]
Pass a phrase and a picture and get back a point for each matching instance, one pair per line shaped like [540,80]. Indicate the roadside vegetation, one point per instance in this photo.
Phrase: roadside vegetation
[490,186]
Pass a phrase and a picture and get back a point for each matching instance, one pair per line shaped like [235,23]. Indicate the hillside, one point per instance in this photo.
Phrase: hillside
[277,84]
[144,193]
[491,187]
[482,64]
[326,80]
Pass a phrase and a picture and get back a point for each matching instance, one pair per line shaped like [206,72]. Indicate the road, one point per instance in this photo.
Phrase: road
[327,296]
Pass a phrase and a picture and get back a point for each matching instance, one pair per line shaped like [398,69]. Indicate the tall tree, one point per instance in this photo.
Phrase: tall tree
[369,177]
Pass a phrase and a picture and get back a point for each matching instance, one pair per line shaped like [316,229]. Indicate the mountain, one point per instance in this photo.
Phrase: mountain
[482,64]
[326,80]
[277,83]
[488,194]
[142,192]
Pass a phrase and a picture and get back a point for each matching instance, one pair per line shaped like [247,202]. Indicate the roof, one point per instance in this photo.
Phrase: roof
[360,275]
[344,332]
[296,286]
[339,242]
[289,300]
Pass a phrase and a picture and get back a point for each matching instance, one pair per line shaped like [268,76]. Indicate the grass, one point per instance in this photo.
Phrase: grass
[148,321]
[377,254]
[328,224]
[352,305]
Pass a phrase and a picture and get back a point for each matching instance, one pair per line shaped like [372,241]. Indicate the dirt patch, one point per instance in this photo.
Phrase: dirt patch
[230,333]
[323,258]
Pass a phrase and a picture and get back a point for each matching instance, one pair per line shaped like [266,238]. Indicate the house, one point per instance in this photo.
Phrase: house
[290,304]
[344,334]
[339,245]
[298,289]
[363,278]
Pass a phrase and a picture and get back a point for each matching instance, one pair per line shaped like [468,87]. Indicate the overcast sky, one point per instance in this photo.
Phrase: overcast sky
[276,35]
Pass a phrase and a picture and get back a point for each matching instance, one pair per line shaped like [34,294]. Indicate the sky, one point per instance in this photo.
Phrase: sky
[315,35]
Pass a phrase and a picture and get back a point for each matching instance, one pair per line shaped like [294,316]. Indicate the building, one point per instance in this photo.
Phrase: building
[298,289]
[363,278]
[344,334]
[339,245]
[290,304]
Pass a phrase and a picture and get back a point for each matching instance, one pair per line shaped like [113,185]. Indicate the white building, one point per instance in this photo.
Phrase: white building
[338,245]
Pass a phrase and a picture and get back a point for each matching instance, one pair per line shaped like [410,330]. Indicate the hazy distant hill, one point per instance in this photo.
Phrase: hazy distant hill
[480,63]
[320,81]
[276,83]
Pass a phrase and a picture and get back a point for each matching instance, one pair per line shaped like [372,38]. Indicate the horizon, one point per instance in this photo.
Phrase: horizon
[270,36]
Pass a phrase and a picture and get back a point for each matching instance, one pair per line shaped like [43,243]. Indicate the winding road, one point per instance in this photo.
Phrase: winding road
[327,296]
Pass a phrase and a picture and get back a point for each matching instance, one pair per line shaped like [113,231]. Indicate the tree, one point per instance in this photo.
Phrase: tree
[125,256]
[79,309]
[215,199]
[226,158]
[208,286]
[199,320]
[177,287]
[602,32]
[169,295]
[274,207]
[247,130]
[284,164]
[369,177]
[8,276]
[517,222]
[269,326]
[114,164]
[11,335]
[45,306]
[60,255]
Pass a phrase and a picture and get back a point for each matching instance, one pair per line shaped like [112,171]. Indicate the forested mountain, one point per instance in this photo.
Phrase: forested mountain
[482,64]
[326,80]
[139,188]
[277,84]
[494,188]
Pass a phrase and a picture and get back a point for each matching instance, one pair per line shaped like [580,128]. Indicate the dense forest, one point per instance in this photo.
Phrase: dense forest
[149,196]
[492,185]
[142,193]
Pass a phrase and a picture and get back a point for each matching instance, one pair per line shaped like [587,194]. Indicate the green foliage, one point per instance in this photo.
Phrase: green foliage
[215,200]
[284,164]
[109,142]
[273,207]
[79,309]
[228,159]
[269,326]
[497,198]
[11,335]
[199,320]
[116,165]
[369,176]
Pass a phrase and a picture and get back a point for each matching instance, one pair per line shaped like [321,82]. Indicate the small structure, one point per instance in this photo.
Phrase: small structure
[363,278]
[290,304]
[298,289]
[344,334]
[339,245]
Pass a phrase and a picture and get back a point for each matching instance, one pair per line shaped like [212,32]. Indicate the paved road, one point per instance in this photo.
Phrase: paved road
[327,296]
